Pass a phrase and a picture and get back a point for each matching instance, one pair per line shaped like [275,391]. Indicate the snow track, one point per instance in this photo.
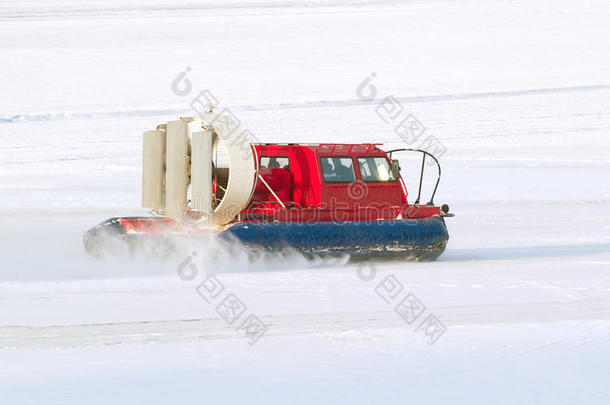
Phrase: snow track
[291,106]
[144,332]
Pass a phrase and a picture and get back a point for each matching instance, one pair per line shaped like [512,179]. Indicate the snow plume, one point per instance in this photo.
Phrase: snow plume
[50,247]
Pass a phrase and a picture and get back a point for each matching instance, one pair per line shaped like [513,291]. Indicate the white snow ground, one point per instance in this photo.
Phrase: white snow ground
[517,91]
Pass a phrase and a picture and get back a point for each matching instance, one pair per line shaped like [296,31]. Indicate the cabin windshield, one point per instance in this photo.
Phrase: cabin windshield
[338,169]
[375,169]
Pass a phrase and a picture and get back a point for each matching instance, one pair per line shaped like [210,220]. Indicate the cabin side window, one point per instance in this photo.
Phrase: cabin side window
[274,162]
[338,169]
[375,169]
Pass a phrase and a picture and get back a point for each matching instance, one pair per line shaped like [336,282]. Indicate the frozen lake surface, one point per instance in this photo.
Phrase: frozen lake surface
[517,93]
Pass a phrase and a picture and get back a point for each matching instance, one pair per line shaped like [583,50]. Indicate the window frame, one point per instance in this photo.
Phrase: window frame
[337,182]
[376,181]
[274,156]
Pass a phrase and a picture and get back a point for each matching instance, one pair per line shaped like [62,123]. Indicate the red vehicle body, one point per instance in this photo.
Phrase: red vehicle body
[302,194]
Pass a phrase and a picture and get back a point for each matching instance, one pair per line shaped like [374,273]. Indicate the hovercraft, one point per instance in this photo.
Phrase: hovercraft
[203,178]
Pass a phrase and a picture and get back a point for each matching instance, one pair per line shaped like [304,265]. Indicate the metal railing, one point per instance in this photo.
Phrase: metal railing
[421,175]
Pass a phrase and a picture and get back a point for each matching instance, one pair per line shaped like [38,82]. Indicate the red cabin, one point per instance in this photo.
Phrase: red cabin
[329,182]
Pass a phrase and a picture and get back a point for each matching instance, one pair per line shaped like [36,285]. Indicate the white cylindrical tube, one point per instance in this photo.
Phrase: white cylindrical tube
[153,169]
[201,171]
[176,168]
